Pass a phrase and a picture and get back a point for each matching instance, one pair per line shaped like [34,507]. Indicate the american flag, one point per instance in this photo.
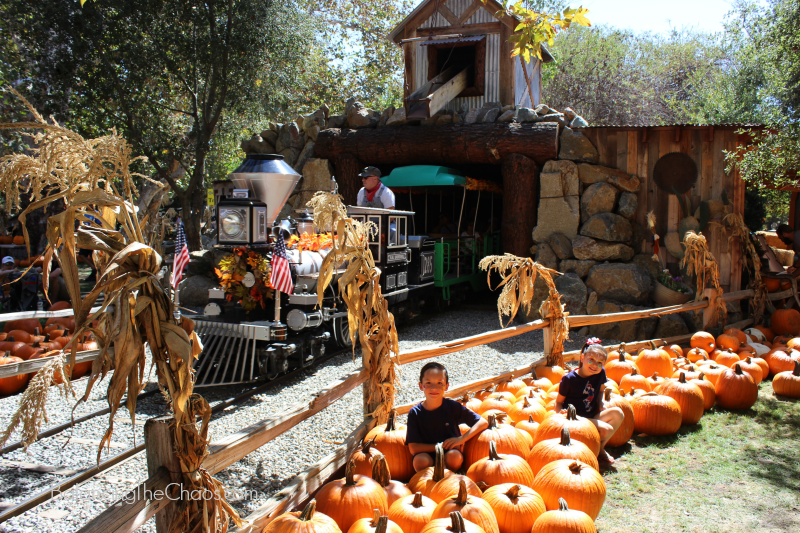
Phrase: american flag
[181,256]
[281,277]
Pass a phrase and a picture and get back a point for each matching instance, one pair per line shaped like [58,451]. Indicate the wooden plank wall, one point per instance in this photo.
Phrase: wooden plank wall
[636,151]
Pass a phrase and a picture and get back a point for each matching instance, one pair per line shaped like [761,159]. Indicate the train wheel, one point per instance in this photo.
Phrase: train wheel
[341,332]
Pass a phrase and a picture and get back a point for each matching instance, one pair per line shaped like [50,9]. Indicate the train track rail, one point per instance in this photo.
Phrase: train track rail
[129,453]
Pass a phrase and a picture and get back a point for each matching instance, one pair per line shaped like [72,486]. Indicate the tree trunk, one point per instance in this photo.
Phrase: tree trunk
[347,168]
[441,145]
[521,188]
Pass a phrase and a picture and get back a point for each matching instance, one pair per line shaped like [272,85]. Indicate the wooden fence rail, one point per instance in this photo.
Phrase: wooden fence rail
[141,504]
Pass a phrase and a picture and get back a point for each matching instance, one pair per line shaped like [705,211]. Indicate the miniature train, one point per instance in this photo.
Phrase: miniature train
[418,272]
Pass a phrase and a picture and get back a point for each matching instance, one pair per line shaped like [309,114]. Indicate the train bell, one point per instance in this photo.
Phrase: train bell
[305,224]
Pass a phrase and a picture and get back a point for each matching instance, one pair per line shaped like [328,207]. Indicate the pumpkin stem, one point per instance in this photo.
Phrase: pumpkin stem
[702,376]
[492,421]
[391,421]
[500,417]
[417,503]
[607,393]
[621,356]
[46,337]
[533,373]
[682,377]
[376,515]
[367,445]
[748,361]
[572,414]
[11,338]
[796,371]
[737,369]
[438,467]
[565,436]
[562,505]
[35,344]
[380,470]
[382,523]
[575,467]
[530,419]
[622,350]
[634,372]
[493,452]
[654,376]
[36,331]
[525,403]
[457,523]
[482,485]
[349,474]
[308,512]
[461,497]
[513,492]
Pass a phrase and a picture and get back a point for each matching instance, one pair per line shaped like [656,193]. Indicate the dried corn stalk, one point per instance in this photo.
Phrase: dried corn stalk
[368,313]
[699,261]
[85,174]
[752,261]
[518,290]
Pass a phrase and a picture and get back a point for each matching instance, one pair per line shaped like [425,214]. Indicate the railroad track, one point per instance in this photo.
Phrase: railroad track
[129,453]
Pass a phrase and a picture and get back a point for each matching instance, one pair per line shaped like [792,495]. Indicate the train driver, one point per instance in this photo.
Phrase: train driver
[374,193]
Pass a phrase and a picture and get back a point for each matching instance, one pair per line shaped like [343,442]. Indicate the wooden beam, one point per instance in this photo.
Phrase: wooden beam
[410,60]
[467,14]
[677,134]
[506,83]
[448,15]
[7,317]
[483,28]
[233,447]
[34,365]
[493,7]
[424,14]
[456,345]
[305,484]
[159,435]
[576,321]
[449,90]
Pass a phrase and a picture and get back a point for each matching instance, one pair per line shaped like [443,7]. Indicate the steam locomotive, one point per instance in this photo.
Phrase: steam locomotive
[417,271]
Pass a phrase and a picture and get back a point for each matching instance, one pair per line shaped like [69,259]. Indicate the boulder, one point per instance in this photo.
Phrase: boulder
[289,155]
[508,107]
[295,137]
[672,241]
[647,263]
[257,145]
[640,236]
[543,109]
[349,104]
[506,116]
[431,121]
[608,227]
[627,331]
[540,293]
[558,118]
[575,146]
[573,293]
[569,114]
[472,116]
[598,198]
[194,291]
[559,178]
[316,177]
[671,326]
[284,139]
[359,116]
[595,174]
[561,245]
[488,106]
[545,256]
[270,136]
[312,133]
[337,121]
[444,119]
[491,115]
[557,215]
[457,119]
[622,282]
[578,266]
[526,114]
[386,115]
[325,110]
[306,154]
[588,248]
[579,122]
[628,202]
[398,118]
[317,118]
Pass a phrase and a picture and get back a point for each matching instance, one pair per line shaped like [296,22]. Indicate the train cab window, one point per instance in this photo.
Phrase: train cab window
[375,237]
[397,231]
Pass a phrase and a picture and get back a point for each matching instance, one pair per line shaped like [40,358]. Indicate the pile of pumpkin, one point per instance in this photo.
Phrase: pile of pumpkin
[534,470]
[26,339]
[19,240]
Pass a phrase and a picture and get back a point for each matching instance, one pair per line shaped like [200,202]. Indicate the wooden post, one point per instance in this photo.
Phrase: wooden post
[548,332]
[347,168]
[520,201]
[710,317]
[159,434]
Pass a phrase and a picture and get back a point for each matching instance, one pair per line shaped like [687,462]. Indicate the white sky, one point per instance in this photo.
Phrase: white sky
[657,15]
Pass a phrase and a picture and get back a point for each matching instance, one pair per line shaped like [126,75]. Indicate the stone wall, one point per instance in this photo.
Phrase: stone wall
[588,231]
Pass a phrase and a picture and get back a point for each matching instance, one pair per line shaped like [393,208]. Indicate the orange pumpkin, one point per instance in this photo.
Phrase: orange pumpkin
[635,380]
[5,239]
[654,360]
[728,342]
[390,440]
[708,390]
[704,340]
[449,486]
[524,410]
[529,426]
[713,372]
[578,483]
[688,395]
[619,366]
[625,431]
[25,324]
[515,506]
[785,322]
[349,499]
[497,469]
[376,524]
[305,521]
[424,480]
[753,369]
[656,415]
[412,513]
[551,450]
[472,508]
[553,373]
[580,429]
[60,306]
[454,524]
[736,389]
[779,360]
[513,386]
[12,384]
[727,358]
[363,457]
[507,439]
[768,333]
[18,239]
[674,351]
[564,520]
[788,383]
[395,490]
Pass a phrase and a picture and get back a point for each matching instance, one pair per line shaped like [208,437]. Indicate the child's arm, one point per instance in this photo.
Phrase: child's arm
[479,426]
[418,447]
[560,402]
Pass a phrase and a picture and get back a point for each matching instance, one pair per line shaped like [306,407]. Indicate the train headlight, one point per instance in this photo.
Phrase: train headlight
[234,224]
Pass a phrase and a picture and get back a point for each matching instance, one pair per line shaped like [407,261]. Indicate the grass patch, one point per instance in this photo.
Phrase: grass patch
[731,472]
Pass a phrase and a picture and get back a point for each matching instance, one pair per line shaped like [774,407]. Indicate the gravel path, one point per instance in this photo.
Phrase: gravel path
[255,478]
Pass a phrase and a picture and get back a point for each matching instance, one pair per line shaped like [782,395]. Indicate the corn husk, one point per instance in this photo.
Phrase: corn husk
[752,261]
[519,277]
[92,177]
[368,315]
[699,261]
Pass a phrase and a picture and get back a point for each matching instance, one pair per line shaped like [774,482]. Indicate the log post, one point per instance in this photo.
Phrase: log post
[347,168]
[710,316]
[159,434]
[547,332]
[520,201]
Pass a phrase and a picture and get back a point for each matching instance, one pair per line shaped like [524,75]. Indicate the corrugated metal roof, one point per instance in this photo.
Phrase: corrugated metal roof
[469,39]
[682,125]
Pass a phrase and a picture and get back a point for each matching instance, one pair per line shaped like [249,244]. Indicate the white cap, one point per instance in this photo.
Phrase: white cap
[8,259]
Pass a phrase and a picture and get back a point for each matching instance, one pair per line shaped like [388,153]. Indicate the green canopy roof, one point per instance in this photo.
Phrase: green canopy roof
[423,176]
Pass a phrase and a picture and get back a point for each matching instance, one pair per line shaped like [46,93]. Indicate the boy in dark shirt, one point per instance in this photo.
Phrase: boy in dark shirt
[584,387]
[436,420]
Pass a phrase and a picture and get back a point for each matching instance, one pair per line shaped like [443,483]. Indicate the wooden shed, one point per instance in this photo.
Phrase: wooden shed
[636,149]
[457,55]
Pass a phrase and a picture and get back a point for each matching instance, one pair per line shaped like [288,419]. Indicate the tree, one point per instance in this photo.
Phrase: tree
[168,74]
